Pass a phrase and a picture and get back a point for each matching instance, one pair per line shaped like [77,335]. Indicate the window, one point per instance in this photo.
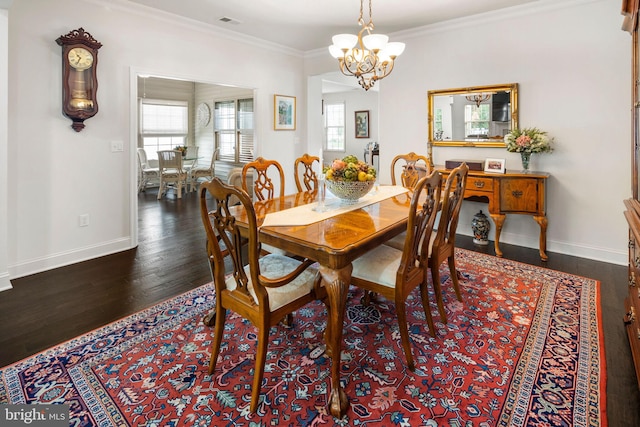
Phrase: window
[163,125]
[437,124]
[334,118]
[476,120]
[233,124]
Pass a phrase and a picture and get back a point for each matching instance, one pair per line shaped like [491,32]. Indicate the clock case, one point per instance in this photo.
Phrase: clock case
[76,81]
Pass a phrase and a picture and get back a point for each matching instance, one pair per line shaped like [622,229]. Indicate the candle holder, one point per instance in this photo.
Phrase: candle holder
[322,193]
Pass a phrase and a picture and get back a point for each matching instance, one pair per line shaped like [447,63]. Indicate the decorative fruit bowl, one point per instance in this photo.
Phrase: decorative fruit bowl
[349,191]
[349,178]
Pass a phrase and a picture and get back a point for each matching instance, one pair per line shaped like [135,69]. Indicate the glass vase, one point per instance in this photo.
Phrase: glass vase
[525,156]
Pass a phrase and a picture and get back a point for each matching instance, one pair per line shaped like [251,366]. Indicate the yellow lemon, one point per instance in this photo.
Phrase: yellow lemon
[362,176]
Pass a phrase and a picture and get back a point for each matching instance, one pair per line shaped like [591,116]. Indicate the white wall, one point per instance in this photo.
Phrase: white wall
[570,58]
[572,63]
[56,174]
[355,100]
[4,66]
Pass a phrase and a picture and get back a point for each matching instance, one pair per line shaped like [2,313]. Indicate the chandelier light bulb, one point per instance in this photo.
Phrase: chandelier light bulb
[336,52]
[394,49]
[375,42]
[345,41]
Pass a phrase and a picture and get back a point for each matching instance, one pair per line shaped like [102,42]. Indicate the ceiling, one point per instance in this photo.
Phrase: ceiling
[306,25]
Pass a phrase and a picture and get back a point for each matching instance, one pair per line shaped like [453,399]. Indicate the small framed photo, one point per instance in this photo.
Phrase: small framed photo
[494,165]
[362,124]
[284,112]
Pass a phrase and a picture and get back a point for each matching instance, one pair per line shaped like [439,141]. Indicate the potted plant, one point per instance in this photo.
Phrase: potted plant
[526,141]
[182,149]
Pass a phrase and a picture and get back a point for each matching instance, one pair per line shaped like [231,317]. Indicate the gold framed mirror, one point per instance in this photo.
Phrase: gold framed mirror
[477,116]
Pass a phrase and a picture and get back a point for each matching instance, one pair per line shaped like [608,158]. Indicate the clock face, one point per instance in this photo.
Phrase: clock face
[80,58]
[203,114]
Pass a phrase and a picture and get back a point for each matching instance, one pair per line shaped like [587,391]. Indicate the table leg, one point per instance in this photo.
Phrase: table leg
[337,285]
[209,319]
[542,221]
[498,220]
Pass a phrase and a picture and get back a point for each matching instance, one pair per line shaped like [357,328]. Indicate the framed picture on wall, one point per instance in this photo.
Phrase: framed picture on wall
[362,124]
[284,112]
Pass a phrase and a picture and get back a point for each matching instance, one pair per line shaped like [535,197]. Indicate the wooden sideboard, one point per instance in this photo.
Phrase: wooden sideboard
[632,301]
[512,192]
[632,205]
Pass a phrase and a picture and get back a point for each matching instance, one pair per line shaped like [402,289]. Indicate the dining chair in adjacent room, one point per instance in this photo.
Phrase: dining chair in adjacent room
[207,172]
[146,173]
[263,290]
[395,273]
[235,178]
[171,172]
[305,174]
[443,242]
[263,186]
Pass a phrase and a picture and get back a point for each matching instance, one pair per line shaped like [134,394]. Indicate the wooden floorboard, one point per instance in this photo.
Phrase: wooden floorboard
[52,307]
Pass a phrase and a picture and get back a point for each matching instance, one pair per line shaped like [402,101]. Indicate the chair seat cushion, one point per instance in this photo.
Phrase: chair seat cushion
[397,242]
[274,250]
[379,265]
[172,174]
[274,266]
[201,170]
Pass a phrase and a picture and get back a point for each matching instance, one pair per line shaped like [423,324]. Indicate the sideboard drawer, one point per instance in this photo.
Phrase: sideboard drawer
[475,184]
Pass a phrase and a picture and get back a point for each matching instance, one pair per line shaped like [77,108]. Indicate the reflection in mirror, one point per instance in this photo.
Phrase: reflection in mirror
[474,116]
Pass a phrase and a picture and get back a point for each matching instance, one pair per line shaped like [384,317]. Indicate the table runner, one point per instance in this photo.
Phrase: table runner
[305,215]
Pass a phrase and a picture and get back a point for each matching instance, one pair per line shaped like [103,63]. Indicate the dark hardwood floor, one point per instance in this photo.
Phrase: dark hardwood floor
[51,307]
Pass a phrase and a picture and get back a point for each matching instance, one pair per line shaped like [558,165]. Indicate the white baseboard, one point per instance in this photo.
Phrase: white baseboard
[589,252]
[5,283]
[67,258]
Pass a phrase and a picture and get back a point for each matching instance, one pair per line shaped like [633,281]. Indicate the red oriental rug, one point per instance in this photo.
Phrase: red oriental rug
[525,348]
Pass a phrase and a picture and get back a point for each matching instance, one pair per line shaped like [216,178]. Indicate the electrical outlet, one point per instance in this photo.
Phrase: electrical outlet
[83,220]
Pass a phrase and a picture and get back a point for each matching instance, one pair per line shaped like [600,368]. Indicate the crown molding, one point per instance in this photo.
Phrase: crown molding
[176,20]
[540,6]
[532,8]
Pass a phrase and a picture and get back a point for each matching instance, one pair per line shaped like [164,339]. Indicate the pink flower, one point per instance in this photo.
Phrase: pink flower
[523,140]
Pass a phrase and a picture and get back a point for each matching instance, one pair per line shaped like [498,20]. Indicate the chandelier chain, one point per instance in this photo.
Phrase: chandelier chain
[361,19]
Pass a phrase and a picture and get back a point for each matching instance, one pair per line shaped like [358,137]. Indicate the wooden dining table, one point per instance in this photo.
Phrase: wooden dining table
[334,243]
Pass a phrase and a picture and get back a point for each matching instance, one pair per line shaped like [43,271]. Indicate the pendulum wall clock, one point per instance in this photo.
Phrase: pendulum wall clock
[79,80]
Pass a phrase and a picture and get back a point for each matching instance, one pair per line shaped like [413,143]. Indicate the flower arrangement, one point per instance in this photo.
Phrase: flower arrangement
[528,140]
[181,148]
[349,169]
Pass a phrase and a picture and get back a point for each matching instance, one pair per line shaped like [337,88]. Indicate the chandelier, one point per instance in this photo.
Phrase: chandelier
[478,98]
[373,57]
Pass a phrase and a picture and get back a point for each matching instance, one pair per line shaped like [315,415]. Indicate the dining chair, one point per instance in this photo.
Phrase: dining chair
[208,172]
[413,167]
[171,172]
[442,245]
[263,290]
[305,174]
[395,273]
[263,186]
[146,173]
